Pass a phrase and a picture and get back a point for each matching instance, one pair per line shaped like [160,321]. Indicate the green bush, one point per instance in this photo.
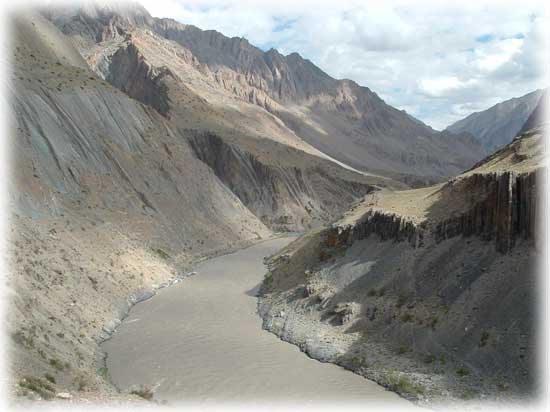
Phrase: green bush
[57,364]
[104,373]
[268,279]
[403,384]
[462,372]
[44,389]
[49,378]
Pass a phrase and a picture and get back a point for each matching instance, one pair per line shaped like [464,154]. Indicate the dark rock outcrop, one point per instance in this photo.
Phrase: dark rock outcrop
[130,72]
[509,210]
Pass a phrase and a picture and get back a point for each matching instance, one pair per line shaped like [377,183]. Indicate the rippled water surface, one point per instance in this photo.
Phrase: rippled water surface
[202,340]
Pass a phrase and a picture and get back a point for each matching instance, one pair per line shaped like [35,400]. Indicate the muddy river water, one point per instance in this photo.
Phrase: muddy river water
[201,340]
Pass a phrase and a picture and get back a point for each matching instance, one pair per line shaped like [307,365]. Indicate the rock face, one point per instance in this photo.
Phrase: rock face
[498,125]
[348,122]
[443,281]
[129,72]
[284,198]
[506,211]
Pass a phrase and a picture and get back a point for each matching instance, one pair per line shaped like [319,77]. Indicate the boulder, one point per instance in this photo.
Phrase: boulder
[346,311]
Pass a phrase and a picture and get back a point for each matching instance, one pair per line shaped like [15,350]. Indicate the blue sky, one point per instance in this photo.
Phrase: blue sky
[438,62]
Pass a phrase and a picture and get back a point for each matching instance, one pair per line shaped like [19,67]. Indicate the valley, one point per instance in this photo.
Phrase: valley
[201,340]
[188,213]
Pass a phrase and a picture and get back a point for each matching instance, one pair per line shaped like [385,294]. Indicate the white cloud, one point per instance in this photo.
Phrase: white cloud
[440,86]
[489,60]
[437,61]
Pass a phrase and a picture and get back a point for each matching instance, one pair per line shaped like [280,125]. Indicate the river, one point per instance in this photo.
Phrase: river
[201,340]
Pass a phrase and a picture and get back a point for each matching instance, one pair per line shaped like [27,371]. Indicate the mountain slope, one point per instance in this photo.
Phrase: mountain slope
[111,197]
[288,98]
[431,292]
[497,126]
[539,116]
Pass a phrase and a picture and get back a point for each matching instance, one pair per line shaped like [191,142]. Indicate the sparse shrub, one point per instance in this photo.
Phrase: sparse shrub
[469,394]
[429,358]
[484,338]
[371,292]
[268,279]
[81,383]
[381,292]
[401,299]
[503,386]
[49,378]
[37,385]
[402,349]
[462,372]
[403,384]
[104,373]
[357,362]
[432,322]
[20,338]
[56,364]
[406,317]
[143,392]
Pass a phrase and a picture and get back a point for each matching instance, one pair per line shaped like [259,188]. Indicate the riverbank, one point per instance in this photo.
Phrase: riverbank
[65,301]
[431,292]
[201,340]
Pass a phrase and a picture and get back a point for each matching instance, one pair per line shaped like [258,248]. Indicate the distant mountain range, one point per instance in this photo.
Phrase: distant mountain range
[498,125]
[300,102]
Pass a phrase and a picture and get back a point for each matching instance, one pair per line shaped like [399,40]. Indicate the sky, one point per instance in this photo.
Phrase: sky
[439,62]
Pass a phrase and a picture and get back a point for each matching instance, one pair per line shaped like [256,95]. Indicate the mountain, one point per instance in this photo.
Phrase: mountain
[285,98]
[141,146]
[112,197]
[431,292]
[539,116]
[497,126]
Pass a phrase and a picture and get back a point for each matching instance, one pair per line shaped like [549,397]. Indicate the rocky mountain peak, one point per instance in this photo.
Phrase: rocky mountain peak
[339,118]
[497,126]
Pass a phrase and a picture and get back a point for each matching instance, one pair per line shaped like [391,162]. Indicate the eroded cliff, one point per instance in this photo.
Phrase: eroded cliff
[431,292]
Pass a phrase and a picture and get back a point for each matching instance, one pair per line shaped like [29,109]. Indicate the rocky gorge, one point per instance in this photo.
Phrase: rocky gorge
[142,148]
